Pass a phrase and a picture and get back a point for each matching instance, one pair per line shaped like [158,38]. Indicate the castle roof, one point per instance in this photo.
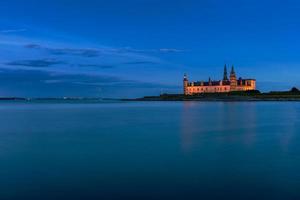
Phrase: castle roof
[213,83]
[224,82]
[240,82]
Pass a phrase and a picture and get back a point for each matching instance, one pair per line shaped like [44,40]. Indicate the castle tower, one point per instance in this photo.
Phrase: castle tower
[185,84]
[225,76]
[233,81]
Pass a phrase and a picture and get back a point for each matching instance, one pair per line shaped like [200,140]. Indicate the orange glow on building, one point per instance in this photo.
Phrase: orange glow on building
[221,86]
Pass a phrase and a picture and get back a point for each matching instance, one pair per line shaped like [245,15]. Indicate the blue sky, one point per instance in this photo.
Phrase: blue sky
[129,48]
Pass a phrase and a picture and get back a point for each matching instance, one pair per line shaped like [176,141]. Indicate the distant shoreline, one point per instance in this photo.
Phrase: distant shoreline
[56,99]
[243,96]
[218,99]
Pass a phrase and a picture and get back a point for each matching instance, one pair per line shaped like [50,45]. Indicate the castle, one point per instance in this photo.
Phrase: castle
[225,85]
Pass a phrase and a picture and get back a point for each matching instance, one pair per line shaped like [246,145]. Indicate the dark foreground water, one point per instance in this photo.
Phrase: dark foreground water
[151,150]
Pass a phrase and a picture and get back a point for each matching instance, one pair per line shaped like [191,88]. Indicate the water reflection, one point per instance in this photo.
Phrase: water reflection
[202,120]
[190,124]
[237,123]
[288,123]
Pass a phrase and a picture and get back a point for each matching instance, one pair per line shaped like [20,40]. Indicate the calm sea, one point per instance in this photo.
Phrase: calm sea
[149,150]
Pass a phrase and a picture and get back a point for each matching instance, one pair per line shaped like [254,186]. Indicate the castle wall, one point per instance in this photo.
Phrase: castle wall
[207,89]
[249,85]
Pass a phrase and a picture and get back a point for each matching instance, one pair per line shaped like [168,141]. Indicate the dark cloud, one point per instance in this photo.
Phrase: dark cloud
[75,52]
[42,63]
[35,63]
[32,46]
[34,83]
[84,52]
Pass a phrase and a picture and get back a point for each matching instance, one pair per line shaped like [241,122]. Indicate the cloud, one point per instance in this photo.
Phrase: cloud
[13,30]
[133,50]
[53,81]
[35,63]
[84,52]
[139,63]
[166,50]
[36,83]
[33,46]
[75,52]
[97,66]
[110,66]
[95,52]
[44,63]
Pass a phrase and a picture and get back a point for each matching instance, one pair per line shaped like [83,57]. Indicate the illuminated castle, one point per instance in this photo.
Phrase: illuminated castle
[225,85]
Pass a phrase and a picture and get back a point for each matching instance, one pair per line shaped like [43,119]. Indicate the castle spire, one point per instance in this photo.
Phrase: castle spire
[185,77]
[225,76]
[185,84]
[233,81]
[232,71]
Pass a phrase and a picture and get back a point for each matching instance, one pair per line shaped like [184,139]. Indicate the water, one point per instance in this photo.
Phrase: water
[150,150]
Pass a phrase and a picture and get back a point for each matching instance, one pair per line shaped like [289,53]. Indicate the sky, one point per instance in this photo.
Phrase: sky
[132,48]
